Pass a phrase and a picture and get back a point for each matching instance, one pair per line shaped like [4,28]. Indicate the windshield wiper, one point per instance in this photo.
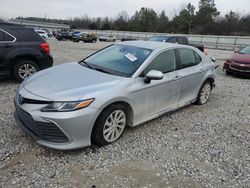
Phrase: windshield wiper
[88,65]
[102,70]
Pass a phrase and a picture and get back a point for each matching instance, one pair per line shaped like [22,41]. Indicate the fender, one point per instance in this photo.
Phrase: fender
[29,52]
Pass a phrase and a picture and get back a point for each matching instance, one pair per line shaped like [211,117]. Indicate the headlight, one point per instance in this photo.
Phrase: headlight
[67,106]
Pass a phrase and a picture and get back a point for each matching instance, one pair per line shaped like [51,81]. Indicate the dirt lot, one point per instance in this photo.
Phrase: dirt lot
[197,146]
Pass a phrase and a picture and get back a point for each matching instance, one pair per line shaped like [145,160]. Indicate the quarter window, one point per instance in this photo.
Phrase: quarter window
[1,35]
[164,62]
[188,58]
[4,37]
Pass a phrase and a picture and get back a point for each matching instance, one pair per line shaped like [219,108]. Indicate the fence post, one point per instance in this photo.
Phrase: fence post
[217,42]
[235,43]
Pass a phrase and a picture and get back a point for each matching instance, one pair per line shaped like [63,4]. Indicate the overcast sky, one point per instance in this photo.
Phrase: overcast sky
[111,8]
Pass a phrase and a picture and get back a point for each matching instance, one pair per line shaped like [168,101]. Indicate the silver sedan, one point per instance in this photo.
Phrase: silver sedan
[74,105]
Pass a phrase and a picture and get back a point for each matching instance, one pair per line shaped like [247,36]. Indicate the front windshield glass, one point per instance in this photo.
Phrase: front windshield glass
[158,38]
[121,60]
[245,51]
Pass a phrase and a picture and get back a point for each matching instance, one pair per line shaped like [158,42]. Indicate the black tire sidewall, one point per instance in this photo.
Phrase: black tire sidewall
[19,64]
[97,137]
[198,100]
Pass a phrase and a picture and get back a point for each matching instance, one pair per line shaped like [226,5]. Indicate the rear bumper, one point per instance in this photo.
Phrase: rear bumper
[45,62]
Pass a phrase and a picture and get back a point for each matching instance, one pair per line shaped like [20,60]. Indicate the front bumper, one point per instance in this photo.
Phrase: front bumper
[58,130]
[237,68]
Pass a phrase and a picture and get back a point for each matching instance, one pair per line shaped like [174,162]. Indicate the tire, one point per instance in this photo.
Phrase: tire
[104,124]
[24,65]
[204,93]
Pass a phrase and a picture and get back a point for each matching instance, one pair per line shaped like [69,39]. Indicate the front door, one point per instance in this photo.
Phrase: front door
[158,96]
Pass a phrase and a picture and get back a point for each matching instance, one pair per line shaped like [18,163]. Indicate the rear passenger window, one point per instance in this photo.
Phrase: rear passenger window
[164,62]
[197,57]
[1,35]
[188,58]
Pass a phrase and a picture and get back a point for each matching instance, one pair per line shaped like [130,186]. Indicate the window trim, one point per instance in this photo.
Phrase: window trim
[179,58]
[176,62]
[14,38]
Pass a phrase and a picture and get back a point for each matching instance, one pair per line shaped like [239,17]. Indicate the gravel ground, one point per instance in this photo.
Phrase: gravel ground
[196,146]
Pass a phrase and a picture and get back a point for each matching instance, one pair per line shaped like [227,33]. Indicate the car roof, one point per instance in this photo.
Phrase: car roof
[152,45]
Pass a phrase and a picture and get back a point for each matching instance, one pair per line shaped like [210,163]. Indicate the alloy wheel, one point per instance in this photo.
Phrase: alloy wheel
[26,70]
[114,126]
[205,93]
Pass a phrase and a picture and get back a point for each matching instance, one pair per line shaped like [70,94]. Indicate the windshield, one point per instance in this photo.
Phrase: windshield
[121,60]
[245,51]
[158,38]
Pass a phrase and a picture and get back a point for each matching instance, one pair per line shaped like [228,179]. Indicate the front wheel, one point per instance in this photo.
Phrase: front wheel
[110,125]
[204,93]
[24,69]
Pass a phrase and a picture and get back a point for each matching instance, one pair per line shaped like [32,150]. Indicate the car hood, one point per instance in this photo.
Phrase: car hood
[69,82]
[245,58]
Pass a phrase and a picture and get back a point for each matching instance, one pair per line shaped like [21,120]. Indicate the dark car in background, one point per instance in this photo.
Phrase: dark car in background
[239,63]
[176,39]
[22,51]
[85,37]
[63,36]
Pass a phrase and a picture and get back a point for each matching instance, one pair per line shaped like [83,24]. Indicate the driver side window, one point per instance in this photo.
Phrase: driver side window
[164,62]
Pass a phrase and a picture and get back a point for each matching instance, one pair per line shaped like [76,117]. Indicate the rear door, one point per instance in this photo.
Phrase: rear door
[190,73]
[7,44]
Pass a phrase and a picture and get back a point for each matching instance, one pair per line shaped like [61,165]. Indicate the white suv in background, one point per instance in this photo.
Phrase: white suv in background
[42,33]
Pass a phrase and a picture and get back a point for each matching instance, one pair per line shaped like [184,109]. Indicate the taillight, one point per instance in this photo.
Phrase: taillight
[45,47]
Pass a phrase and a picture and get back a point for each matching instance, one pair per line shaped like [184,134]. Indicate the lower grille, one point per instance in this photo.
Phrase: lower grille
[40,130]
[241,68]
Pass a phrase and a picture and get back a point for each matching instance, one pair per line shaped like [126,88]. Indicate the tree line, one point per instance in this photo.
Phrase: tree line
[207,20]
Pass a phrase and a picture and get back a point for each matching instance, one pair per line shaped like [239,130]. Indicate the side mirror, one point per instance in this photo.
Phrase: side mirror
[153,75]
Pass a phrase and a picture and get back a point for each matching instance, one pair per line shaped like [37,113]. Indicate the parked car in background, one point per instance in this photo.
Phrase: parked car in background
[109,38]
[85,37]
[127,39]
[125,84]
[42,33]
[63,36]
[239,63]
[22,51]
[176,39]
[49,33]
[73,34]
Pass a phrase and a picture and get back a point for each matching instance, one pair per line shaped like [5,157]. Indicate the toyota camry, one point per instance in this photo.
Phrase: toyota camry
[75,105]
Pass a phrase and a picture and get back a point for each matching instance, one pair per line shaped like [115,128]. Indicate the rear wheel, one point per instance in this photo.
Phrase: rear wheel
[110,125]
[24,69]
[204,93]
